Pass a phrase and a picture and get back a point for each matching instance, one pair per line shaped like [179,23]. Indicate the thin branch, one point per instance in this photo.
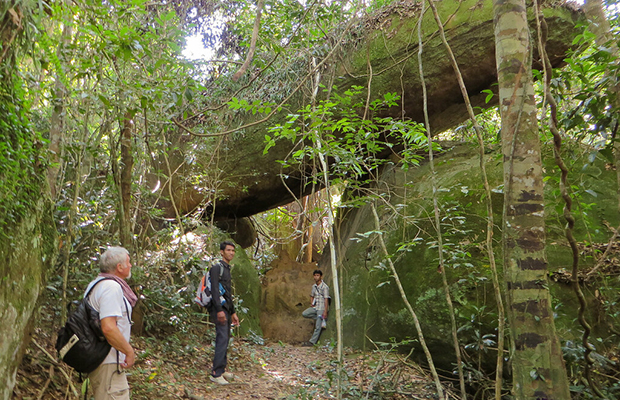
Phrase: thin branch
[255,30]
[369,65]
[8,45]
[226,62]
[283,102]
[440,246]
[47,382]
[603,258]
[403,295]
[53,360]
[260,72]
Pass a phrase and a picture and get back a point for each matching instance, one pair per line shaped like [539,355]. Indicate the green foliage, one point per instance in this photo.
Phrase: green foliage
[584,90]
[334,128]
[21,158]
[169,283]
[255,107]
[490,122]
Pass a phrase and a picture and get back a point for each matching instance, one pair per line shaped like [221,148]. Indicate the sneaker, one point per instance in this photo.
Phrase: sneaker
[219,380]
[307,344]
[323,324]
[229,376]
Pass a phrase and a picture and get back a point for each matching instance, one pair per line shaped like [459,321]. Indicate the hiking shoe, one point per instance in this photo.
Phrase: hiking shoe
[219,380]
[229,376]
[307,344]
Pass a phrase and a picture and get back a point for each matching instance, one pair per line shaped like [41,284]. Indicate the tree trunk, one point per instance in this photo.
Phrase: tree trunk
[57,122]
[125,180]
[537,363]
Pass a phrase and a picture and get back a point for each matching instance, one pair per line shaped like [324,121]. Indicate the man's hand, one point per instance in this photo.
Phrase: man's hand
[235,320]
[116,339]
[221,317]
[325,314]
[130,359]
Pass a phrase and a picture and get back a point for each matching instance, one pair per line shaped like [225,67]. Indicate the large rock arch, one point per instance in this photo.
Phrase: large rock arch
[251,182]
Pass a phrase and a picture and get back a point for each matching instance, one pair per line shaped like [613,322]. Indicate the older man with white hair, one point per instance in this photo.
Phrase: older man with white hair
[114,300]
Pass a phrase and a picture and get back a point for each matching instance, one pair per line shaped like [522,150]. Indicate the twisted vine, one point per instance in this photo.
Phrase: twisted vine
[568,202]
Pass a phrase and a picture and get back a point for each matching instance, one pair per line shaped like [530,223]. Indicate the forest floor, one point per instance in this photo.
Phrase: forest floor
[177,367]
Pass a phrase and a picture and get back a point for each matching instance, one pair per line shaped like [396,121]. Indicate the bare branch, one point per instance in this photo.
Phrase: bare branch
[248,60]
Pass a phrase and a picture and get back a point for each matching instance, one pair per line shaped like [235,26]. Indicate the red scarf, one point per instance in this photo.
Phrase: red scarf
[127,292]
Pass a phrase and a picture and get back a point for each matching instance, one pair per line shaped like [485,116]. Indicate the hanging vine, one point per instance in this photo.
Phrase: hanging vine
[570,220]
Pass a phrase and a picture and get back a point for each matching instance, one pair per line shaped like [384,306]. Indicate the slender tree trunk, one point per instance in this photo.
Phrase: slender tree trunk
[56,135]
[537,363]
[334,268]
[255,31]
[332,245]
[126,180]
[69,236]
[309,235]
[57,121]
[490,223]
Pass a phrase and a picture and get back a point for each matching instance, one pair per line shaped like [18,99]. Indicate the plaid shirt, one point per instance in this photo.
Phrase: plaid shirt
[320,293]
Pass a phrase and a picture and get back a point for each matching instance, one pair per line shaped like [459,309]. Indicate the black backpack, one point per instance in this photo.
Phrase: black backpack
[81,343]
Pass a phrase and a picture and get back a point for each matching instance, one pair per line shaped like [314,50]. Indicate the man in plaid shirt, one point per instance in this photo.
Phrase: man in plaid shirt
[320,306]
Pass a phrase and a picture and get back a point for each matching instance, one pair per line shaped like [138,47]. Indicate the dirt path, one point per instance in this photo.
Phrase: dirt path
[170,369]
[274,371]
[284,371]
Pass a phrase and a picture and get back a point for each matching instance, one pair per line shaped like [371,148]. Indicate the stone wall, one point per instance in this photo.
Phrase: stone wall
[285,295]
[26,251]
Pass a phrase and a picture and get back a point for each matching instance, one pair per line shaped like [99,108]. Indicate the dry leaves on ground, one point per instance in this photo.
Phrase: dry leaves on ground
[175,370]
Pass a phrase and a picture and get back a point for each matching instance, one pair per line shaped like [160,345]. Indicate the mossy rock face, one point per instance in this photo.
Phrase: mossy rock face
[286,291]
[372,305]
[26,252]
[247,289]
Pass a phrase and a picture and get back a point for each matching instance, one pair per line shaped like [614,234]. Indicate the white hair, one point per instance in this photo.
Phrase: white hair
[111,258]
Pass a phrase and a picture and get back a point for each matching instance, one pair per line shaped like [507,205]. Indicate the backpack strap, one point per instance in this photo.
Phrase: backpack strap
[208,272]
[118,364]
[95,284]
[219,263]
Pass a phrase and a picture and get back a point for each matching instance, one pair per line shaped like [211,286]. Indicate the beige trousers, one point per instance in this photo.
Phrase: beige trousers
[108,384]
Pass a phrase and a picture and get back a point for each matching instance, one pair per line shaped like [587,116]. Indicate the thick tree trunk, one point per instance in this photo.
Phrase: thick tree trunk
[538,366]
